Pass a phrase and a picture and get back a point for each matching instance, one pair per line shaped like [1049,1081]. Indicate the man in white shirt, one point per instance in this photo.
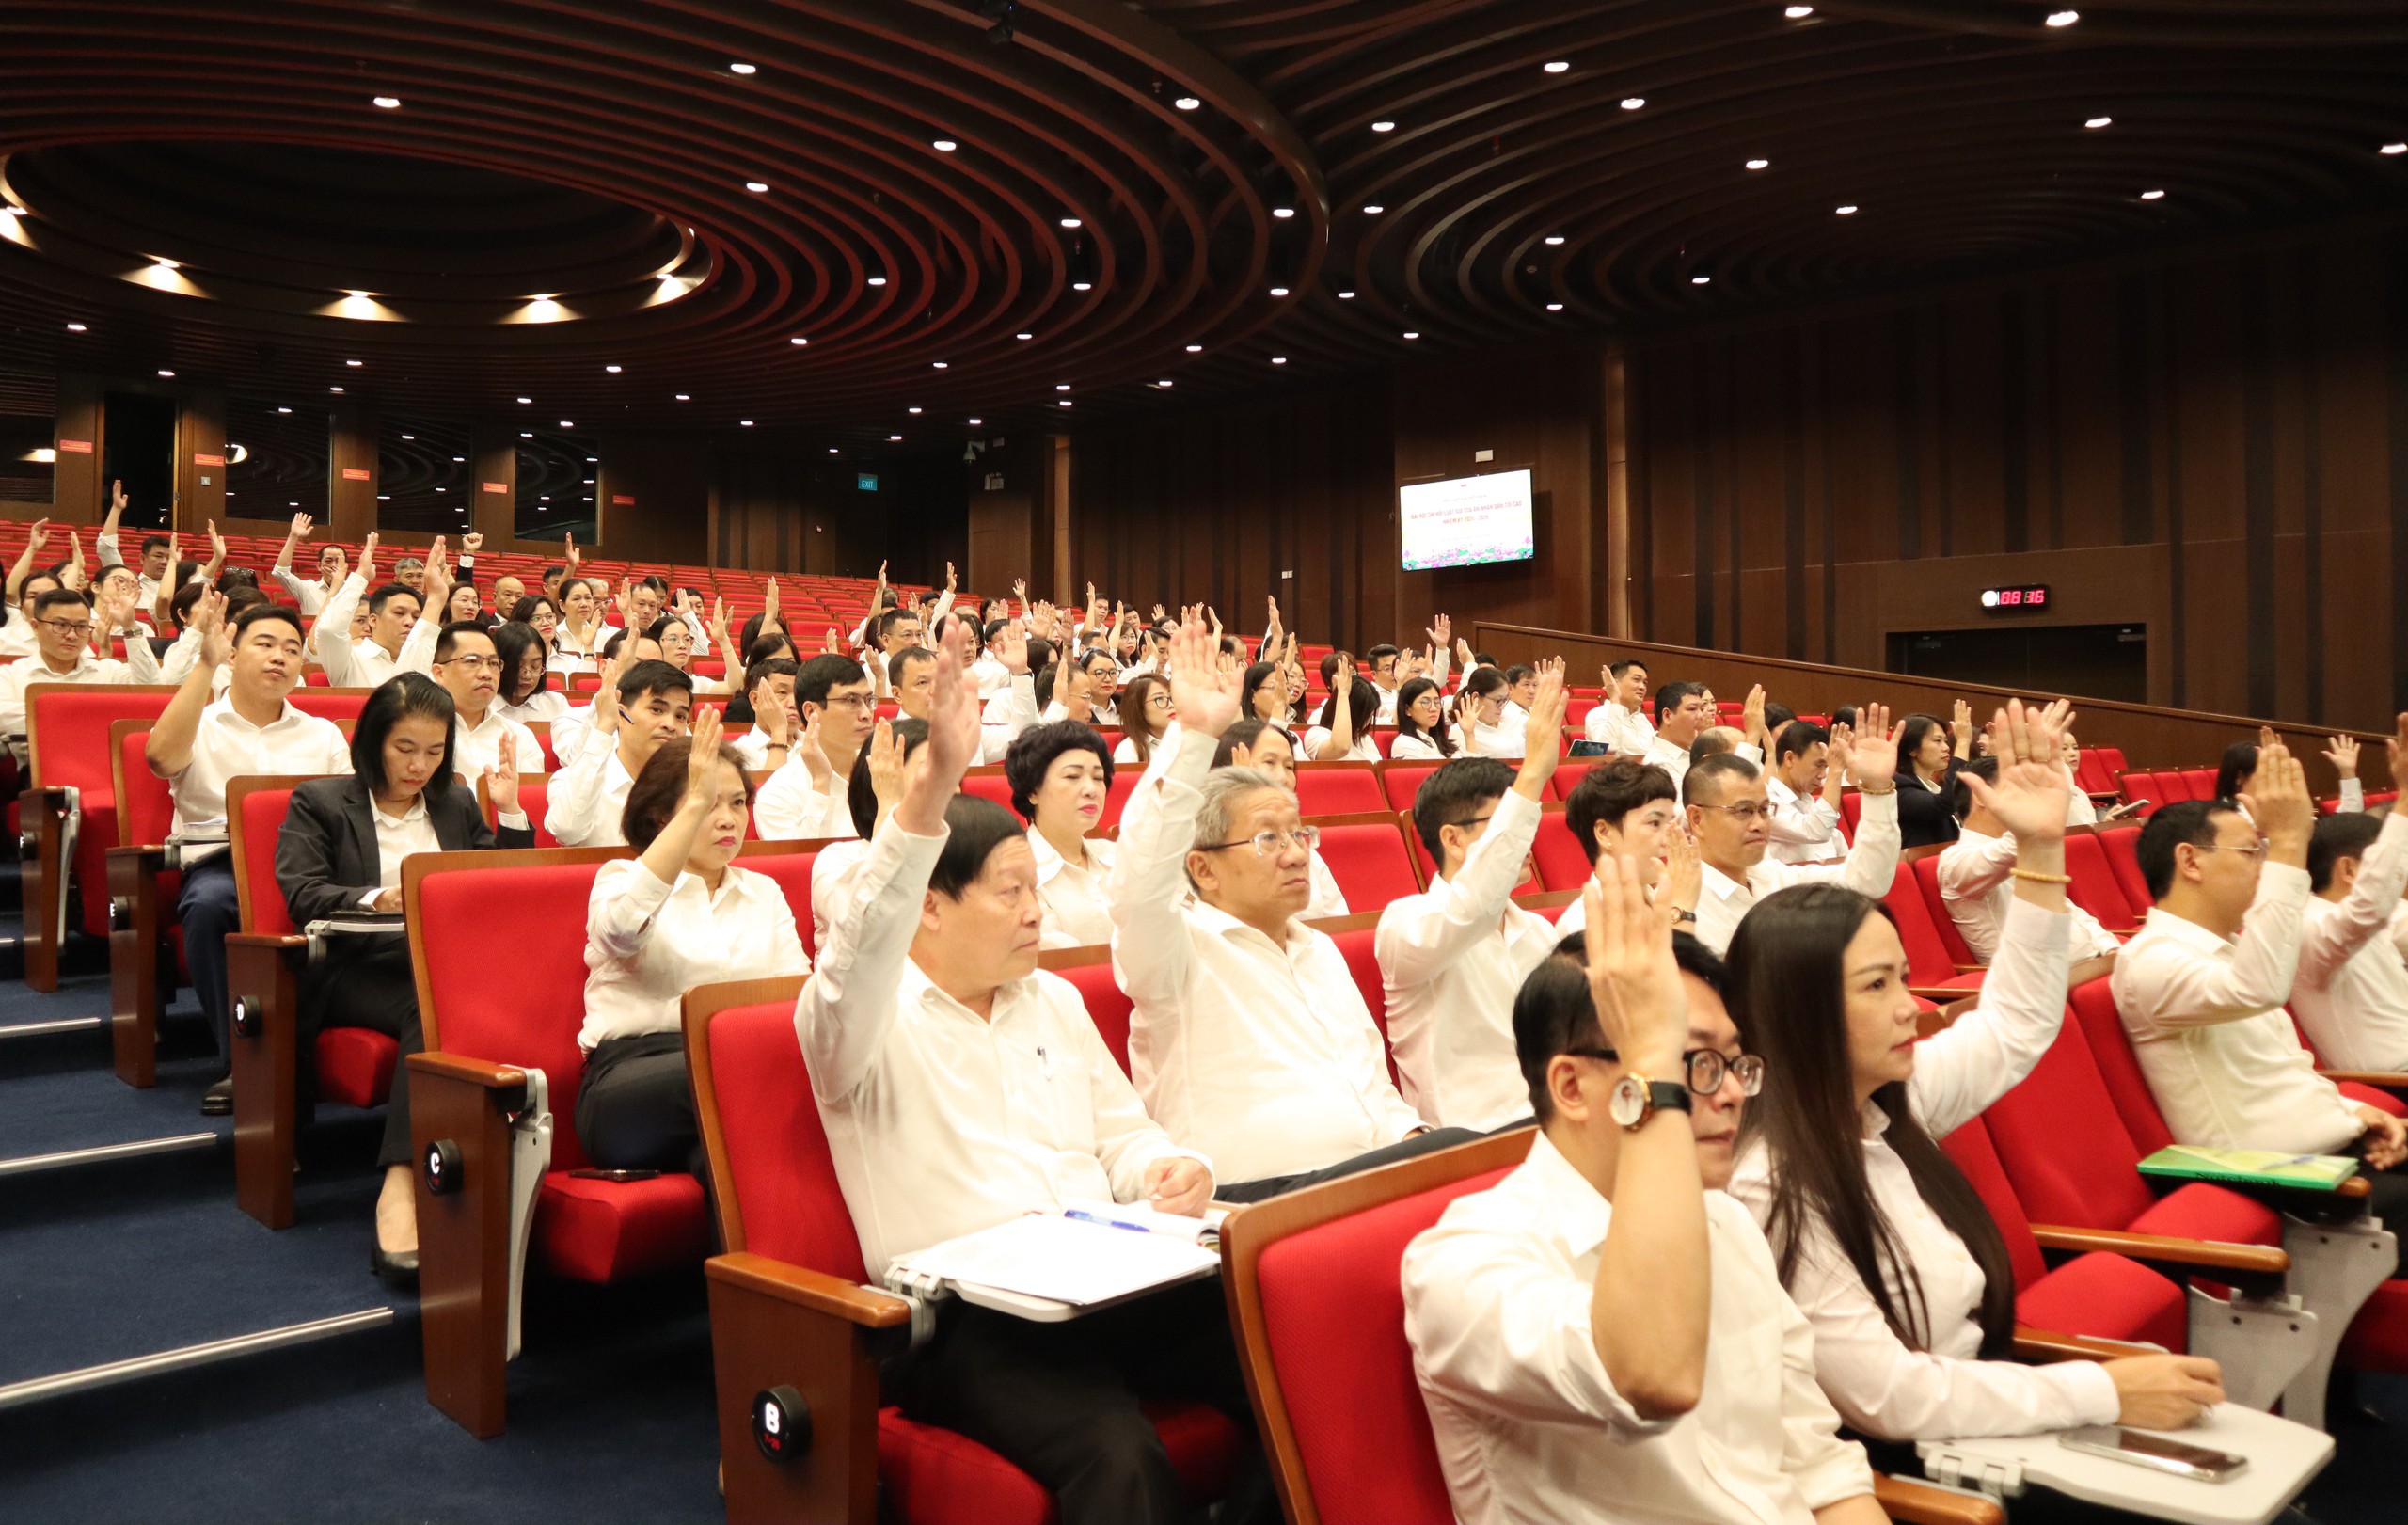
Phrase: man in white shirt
[960,1087]
[332,568]
[62,653]
[1803,792]
[1620,720]
[398,639]
[988,671]
[1602,1335]
[467,666]
[1682,711]
[1249,1039]
[2352,994]
[1453,957]
[1975,871]
[896,630]
[2201,986]
[571,725]
[1265,748]
[1727,815]
[805,800]
[1521,686]
[776,719]
[158,550]
[1384,682]
[638,705]
[198,743]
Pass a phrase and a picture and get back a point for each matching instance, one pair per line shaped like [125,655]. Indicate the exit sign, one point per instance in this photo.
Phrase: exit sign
[2024,599]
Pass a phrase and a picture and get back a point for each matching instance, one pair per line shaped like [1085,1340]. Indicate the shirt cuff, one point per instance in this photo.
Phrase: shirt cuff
[368,901]
[514,819]
[2089,1391]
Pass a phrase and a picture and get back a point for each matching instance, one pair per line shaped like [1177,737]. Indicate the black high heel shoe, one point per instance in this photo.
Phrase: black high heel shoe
[399,1272]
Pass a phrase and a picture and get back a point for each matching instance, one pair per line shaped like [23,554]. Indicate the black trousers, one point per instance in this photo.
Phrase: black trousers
[208,906]
[367,983]
[1255,1191]
[2387,1191]
[635,1108]
[1060,1401]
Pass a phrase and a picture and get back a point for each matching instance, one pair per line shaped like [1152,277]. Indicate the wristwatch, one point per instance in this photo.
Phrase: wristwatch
[1635,1098]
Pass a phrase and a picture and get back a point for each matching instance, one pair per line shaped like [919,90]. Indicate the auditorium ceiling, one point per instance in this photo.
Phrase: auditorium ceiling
[877,220]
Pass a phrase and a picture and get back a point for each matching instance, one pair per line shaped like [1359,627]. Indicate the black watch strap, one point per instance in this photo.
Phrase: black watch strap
[1668,1095]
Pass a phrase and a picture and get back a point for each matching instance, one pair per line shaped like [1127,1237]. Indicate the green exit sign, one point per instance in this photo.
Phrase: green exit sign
[866,481]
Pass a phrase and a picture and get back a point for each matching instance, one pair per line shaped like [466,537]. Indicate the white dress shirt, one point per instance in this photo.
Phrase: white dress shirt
[1386,713]
[584,800]
[1624,730]
[1261,1053]
[1880,1385]
[146,666]
[1010,710]
[1406,748]
[479,747]
[17,636]
[1364,748]
[225,746]
[648,942]
[545,709]
[1531,1430]
[2352,994]
[991,674]
[89,672]
[754,747]
[572,653]
[310,594]
[1452,958]
[366,664]
[941,1122]
[1329,899]
[791,808]
[1805,827]
[1498,740]
[146,587]
[1077,897]
[1977,882]
[1664,754]
[398,838]
[2206,1020]
[1869,868]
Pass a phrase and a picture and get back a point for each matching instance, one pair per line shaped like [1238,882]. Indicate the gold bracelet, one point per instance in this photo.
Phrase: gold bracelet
[2038,878]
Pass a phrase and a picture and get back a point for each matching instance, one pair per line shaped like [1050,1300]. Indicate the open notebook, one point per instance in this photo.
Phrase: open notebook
[1051,1266]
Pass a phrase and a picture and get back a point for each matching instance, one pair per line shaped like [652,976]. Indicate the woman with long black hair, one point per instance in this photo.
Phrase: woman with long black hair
[1929,757]
[1880,1238]
[1421,724]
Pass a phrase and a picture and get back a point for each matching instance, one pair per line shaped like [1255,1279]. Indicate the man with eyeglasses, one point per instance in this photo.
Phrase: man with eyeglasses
[62,652]
[1249,1040]
[2201,986]
[1453,957]
[466,664]
[810,796]
[1731,816]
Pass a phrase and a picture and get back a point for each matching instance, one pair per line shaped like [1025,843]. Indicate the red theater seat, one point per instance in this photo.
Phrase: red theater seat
[1930,968]
[1368,856]
[2121,843]
[67,740]
[788,1307]
[1562,865]
[1925,867]
[1399,781]
[145,942]
[1338,788]
[2095,886]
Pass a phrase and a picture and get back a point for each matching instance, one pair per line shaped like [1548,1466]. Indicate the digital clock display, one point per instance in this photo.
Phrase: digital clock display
[2016,601]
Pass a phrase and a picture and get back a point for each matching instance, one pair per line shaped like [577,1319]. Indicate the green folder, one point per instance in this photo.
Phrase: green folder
[2267,1166]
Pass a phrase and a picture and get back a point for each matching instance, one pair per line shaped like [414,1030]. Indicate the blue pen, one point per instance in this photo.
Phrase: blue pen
[1074,1214]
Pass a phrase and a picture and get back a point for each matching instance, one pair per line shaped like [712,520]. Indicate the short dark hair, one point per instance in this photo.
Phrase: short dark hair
[822,673]
[861,789]
[1670,695]
[403,694]
[155,542]
[449,641]
[1844,715]
[771,667]
[1245,732]
[59,597]
[1554,1013]
[1031,752]
[1618,671]
[994,629]
[1797,738]
[653,676]
[2185,820]
[975,827]
[263,613]
[1714,742]
[2238,762]
[1518,671]
[901,659]
[1380,653]
[1455,794]
[653,797]
[1714,770]
[1608,792]
[1960,794]
[662,626]
[886,624]
[1777,716]
[2336,837]
[768,649]
[386,595]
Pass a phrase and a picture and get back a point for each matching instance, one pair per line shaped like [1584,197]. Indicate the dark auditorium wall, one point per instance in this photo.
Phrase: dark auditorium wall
[787,511]
[2212,443]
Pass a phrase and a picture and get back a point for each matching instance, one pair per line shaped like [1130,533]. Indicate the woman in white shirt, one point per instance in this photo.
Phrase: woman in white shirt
[577,644]
[679,915]
[1345,734]
[1881,1241]
[1146,715]
[1059,777]
[1262,694]
[526,694]
[677,641]
[1479,711]
[1420,724]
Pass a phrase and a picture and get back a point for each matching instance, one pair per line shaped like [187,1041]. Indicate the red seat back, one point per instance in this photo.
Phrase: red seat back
[788,1203]
[1970,1147]
[990,784]
[2199,783]
[1115,799]
[2122,846]
[1927,872]
[792,873]
[1562,864]
[1400,780]
[331,704]
[2097,767]
[254,826]
[2095,887]
[1337,788]
[1369,861]
[146,807]
[2094,1007]
[1927,959]
[2063,1144]
[1851,811]
[533,797]
[1108,1006]
[1332,1313]
[1363,962]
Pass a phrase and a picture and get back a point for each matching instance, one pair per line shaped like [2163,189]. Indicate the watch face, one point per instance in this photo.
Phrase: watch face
[1628,1104]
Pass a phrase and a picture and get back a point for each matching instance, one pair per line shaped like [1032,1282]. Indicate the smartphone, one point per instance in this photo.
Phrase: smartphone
[1586,748]
[2142,1448]
[590,1173]
[2125,809]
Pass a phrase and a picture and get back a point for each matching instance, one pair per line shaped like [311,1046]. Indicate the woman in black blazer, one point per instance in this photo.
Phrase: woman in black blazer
[1929,753]
[341,854]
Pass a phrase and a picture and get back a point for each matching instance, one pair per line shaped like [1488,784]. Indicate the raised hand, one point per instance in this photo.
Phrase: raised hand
[119,503]
[568,553]
[951,580]
[301,526]
[1015,652]
[1681,878]
[1635,984]
[1751,719]
[828,642]
[952,711]
[2031,791]
[368,559]
[769,606]
[2277,800]
[1872,750]
[501,780]
[1441,632]
[1203,692]
[606,694]
[209,618]
[1543,732]
[217,541]
[436,584]
[886,769]
[2342,753]
[702,758]
[1960,728]
[472,543]
[37,538]
[1020,591]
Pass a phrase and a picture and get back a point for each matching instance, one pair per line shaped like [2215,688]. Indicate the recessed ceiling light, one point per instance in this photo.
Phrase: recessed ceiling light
[1845,208]
[938,364]
[566,424]
[1279,291]
[526,399]
[614,370]
[1187,102]
[1632,102]
[2097,122]
[2152,196]
[1064,402]
[1556,67]
[74,327]
[832,450]
[746,422]
[409,437]
[2063,17]
[1412,333]
[1195,349]
[1554,239]
[391,102]
[167,264]
[1383,127]
[1061,386]
[460,460]
[911,411]
[1760,163]
[1555,307]
[1346,296]
[944,145]
[1070,222]
[2393,147]
[1278,359]
[1083,285]
[877,281]
[894,437]
[1164,382]
[1701,280]
[334,389]
[685,397]
[798,340]
[741,68]
[1283,212]
[756,186]
[355,364]
[977,420]
[1798,13]
[288,410]
[1373,210]
[1024,336]
[165,373]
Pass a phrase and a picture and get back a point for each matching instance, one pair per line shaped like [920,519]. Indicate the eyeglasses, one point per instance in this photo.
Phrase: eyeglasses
[1704,1069]
[1270,844]
[850,700]
[474,665]
[2254,849]
[76,629]
[1745,814]
[1158,701]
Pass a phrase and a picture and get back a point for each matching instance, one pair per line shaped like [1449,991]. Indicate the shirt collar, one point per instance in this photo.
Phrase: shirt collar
[1720,884]
[416,811]
[1222,924]
[223,708]
[2166,923]
[1580,1214]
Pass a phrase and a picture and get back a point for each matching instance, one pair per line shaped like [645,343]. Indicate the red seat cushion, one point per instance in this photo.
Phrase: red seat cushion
[2382,1101]
[2202,1210]
[355,1065]
[2108,1297]
[1402,780]
[608,1230]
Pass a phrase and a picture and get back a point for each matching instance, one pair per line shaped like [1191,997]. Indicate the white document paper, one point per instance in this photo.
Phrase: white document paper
[1061,1259]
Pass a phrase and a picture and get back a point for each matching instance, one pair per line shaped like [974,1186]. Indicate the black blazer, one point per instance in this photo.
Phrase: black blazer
[326,859]
[1924,818]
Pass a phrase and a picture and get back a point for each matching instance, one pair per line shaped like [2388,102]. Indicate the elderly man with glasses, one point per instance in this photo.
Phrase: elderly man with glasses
[1249,1040]
[63,624]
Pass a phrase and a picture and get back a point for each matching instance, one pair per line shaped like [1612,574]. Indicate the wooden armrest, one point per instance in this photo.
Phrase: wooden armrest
[473,1072]
[2381,1079]
[2042,1346]
[271,941]
[147,850]
[814,1290]
[1919,1503]
[2247,1260]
